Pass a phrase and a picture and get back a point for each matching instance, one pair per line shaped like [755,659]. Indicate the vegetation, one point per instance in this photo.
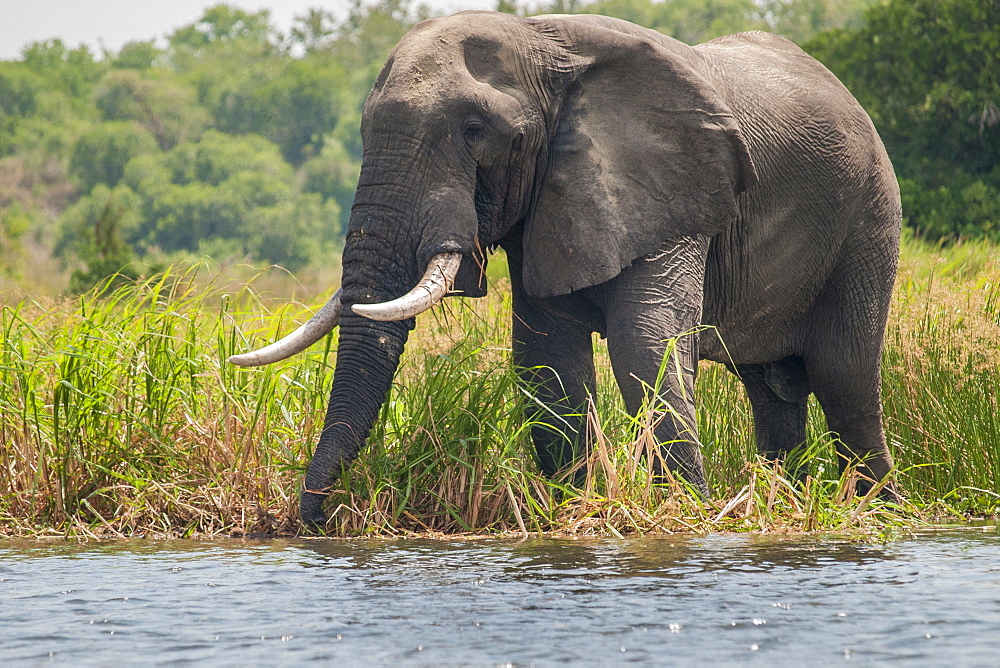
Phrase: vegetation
[121,416]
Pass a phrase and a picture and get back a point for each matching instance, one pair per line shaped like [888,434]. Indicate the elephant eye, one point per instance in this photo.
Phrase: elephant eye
[474,132]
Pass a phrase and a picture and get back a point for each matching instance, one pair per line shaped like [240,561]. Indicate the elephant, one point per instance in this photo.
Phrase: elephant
[733,194]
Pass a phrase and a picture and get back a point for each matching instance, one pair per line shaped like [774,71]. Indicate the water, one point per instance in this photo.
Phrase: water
[931,599]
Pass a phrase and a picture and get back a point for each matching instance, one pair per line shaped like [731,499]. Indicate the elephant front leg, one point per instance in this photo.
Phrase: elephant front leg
[659,378]
[553,354]
[653,310]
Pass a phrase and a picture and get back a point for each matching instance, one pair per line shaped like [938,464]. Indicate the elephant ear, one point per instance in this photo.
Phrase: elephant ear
[644,149]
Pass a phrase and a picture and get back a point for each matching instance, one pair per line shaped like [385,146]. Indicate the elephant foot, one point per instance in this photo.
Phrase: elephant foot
[311,509]
[890,495]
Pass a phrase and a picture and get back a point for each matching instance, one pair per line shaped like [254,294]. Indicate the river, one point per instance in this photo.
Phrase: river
[929,599]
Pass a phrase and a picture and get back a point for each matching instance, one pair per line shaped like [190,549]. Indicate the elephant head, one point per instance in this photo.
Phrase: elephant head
[581,136]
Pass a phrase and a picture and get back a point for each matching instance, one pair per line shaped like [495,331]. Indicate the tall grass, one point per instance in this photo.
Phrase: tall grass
[119,415]
[941,373]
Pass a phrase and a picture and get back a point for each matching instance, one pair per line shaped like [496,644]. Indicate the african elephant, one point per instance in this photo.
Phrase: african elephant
[640,188]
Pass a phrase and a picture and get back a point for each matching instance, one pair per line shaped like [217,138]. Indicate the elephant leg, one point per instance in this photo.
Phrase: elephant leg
[844,372]
[676,428]
[849,395]
[553,354]
[778,394]
[654,308]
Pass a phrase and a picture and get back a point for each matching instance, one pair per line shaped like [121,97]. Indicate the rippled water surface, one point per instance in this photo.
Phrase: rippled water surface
[932,599]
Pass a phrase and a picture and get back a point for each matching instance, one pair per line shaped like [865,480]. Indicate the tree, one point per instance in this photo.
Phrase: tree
[43,96]
[691,21]
[14,223]
[694,21]
[231,194]
[137,56]
[292,102]
[225,23]
[101,153]
[334,175]
[799,20]
[158,102]
[367,36]
[92,232]
[72,70]
[313,31]
[18,91]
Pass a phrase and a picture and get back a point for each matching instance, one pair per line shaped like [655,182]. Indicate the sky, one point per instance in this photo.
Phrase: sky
[112,23]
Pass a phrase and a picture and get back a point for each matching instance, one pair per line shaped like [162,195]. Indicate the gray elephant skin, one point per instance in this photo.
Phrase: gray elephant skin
[640,188]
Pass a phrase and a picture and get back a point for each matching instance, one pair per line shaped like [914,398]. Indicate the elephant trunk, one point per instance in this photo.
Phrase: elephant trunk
[367,357]
[400,229]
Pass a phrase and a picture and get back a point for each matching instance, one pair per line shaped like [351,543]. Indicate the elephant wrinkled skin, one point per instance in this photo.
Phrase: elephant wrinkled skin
[640,188]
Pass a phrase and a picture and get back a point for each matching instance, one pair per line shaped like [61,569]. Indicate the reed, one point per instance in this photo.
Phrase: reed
[119,416]
[941,374]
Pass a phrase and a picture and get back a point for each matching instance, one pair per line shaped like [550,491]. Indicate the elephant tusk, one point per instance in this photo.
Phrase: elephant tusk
[318,326]
[437,281]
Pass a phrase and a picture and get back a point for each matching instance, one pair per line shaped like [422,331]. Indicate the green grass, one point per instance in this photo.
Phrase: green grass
[119,416]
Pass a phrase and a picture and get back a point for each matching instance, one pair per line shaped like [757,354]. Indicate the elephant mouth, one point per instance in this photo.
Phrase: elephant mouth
[437,281]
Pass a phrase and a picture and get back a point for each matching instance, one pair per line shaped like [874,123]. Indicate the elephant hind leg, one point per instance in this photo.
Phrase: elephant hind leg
[847,383]
[843,360]
[778,394]
[850,398]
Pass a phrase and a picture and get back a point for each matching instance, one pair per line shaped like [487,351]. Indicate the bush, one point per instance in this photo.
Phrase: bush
[92,232]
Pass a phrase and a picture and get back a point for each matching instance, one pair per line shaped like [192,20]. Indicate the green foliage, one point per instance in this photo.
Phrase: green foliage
[691,21]
[93,231]
[334,175]
[232,189]
[101,153]
[18,91]
[15,222]
[291,102]
[73,70]
[157,101]
[137,56]
[42,101]
[928,72]
[965,207]
[119,419]
[227,196]
[314,31]
[224,23]
[368,35]
[799,20]
[694,21]
[117,390]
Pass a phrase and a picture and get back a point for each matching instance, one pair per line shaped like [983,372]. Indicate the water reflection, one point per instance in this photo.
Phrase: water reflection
[653,600]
